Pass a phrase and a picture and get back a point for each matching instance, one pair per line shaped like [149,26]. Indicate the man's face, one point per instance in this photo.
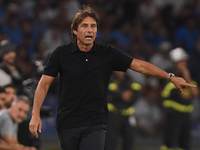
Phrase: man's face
[2,99]
[10,57]
[86,31]
[19,111]
[10,96]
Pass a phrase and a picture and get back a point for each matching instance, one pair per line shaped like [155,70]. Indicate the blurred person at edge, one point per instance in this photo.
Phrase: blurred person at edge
[10,72]
[148,114]
[161,59]
[6,146]
[10,118]
[10,95]
[2,97]
[122,94]
[24,135]
[178,105]
[85,68]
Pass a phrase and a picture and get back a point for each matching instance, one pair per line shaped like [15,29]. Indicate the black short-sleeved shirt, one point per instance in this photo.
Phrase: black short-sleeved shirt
[84,78]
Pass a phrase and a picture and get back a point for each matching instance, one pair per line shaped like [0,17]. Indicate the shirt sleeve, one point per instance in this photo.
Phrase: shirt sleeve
[122,61]
[6,128]
[53,66]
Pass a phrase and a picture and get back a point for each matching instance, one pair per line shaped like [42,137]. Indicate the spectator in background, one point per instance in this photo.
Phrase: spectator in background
[12,9]
[39,25]
[2,9]
[131,8]
[10,96]
[148,10]
[51,39]
[27,8]
[12,29]
[9,120]
[177,5]
[161,58]
[5,146]
[24,62]
[104,32]
[62,22]
[122,93]
[9,66]
[148,114]
[72,7]
[155,34]
[2,97]
[187,35]
[24,135]
[47,12]
[122,36]
[29,37]
[178,105]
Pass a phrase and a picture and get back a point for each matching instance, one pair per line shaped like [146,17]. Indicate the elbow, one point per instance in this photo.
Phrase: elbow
[138,65]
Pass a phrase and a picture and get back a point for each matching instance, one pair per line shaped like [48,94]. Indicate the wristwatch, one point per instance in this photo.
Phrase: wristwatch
[170,76]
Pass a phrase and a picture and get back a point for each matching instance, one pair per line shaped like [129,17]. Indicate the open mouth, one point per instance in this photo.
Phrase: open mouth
[88,37]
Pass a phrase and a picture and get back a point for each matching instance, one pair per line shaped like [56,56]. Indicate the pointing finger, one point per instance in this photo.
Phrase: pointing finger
[190,85]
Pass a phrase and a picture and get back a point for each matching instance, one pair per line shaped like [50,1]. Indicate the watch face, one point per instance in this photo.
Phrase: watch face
[170,76]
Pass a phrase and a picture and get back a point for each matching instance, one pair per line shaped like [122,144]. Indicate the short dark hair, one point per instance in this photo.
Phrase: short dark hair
[2,89]
[9,86]
[23,98]
[78,18]
[7,46]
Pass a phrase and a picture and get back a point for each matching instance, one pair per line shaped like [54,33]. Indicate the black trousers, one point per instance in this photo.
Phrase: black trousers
[83,138]
[177,130]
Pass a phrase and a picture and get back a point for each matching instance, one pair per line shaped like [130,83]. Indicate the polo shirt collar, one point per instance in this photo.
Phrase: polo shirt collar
[75,47]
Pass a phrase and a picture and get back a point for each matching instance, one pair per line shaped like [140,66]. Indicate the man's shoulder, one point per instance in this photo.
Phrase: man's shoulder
[104,47]
[4,115]
[100,45]
[4,112]
[61,49]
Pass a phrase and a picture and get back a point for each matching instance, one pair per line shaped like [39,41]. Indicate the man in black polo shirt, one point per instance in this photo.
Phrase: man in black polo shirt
[85,68]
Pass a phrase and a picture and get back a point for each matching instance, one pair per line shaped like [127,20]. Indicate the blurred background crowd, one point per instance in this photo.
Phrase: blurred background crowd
[144,29]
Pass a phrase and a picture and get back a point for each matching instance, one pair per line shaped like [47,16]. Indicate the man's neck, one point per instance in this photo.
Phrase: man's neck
[4,107]
[84,48]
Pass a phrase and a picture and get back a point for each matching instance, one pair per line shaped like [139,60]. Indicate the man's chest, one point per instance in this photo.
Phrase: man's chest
[80,65]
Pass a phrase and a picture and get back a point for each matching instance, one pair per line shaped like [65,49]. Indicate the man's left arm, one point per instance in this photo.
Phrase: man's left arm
[151,70]
[9,139]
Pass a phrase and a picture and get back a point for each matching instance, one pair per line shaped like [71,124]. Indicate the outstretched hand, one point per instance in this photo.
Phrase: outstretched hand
[180,83]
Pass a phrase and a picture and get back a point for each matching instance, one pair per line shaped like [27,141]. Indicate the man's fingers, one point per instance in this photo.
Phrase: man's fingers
[35,134]
[33,130]
[40,127]
[186,85]
[180,89]
[190,85]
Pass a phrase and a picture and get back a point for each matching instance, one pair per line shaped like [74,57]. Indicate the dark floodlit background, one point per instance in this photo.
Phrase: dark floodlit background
[140,28]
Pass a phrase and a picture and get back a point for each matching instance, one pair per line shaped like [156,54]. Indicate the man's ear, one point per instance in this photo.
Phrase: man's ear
[75,32]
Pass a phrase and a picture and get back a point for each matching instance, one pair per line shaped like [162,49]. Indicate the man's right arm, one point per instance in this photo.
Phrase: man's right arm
[40,94]
[6,146]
